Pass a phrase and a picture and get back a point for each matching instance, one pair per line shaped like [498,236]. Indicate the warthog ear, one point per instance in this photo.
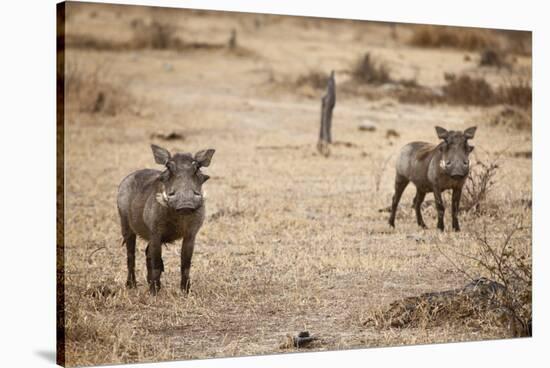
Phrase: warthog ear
[161,155]
[441,132]
[204,157]
[470,132]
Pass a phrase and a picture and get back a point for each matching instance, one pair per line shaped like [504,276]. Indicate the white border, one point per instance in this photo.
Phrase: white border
[27,259]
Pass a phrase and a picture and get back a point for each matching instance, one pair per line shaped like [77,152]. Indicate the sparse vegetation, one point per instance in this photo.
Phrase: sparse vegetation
[466,90]
[493,58]
[369,70]
[315,78]
[479,183]
[156,35]
[511,117]
[516,92]
[453,37]
[502,300]
[88,91]
[505,258]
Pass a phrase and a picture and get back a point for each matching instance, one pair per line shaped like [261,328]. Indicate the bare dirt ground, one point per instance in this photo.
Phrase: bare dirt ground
[293,240]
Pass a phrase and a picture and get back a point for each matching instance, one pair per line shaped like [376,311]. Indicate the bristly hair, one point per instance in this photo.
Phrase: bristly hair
[423,152]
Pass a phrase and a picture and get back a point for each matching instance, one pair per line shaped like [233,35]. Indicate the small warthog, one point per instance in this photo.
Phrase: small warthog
[161,207]
[434,169]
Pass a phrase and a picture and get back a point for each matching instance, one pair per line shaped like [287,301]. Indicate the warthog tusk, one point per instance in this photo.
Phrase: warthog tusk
[442,164]
[162,198]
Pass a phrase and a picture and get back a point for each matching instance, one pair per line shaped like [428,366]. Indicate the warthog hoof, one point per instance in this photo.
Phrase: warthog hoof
[154,287]
[185,286]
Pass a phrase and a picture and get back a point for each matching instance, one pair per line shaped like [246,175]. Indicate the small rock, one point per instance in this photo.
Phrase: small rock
[367,126]
[172,136]
[392,133]
[168,67]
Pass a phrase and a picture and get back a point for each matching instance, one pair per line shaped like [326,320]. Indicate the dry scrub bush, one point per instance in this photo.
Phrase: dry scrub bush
[507,260]
[516,93]
[156,35]
[454,37]
[499,299]
[466,90]
[315,78]
[478,184]
[87,91]
[493,58]
[368,70]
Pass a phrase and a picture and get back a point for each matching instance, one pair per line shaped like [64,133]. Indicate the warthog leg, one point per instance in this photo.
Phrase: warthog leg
[418,199]
[401,183]
[457,193]
[130,241]
[440,209]
[155,265]
[187,246]
[129,238]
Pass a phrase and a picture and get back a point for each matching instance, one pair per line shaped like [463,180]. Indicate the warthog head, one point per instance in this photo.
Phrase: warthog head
[455,151]
[181,182]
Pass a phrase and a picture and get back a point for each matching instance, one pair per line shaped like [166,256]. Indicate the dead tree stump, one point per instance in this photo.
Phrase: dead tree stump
[327,105]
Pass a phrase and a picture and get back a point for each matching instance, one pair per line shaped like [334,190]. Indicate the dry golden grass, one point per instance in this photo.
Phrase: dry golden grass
[293,241]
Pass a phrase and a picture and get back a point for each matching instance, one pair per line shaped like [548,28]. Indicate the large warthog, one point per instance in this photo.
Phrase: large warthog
[162,207]
[434,169]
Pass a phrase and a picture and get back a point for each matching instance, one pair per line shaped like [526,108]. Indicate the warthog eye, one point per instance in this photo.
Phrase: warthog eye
[172,193]
[196,193]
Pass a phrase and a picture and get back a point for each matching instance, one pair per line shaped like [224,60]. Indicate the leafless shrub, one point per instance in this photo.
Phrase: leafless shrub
[516,92]
[88,91]
[368,70]
[453,37]
[499,299]
[156,35]
[508,261]
[493,58]
[466,90]
[479,183]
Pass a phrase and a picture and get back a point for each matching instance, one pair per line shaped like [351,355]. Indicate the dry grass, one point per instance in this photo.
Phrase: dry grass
[466,90]
[155,35]
[292,241]
[87,90]
[517,92]
[453,37]
[315,78]
[511,117]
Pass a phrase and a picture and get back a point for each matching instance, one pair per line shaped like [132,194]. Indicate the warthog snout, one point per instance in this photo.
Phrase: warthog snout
[457,169]
[186,201]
